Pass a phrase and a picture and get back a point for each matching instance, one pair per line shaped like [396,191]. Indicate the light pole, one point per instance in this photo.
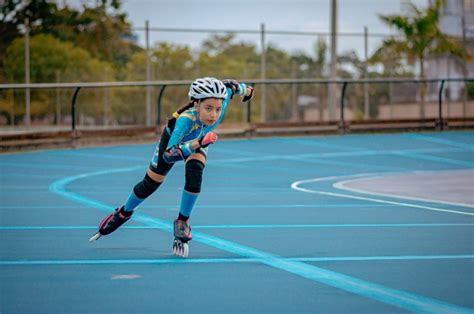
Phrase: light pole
[263,70]
[332,87]
[148,75]
[27,72]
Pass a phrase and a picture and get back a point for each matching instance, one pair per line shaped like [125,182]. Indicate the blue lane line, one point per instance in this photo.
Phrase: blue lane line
[43,166]
[399,298]
[436,159]
[384,258]
[317,143]
[230,260]
[358,165]
[107,156]
[29,175]
[272,226]
[333,226]
[297,157]
[337,205]
[381,152]
[441,141]
[233,152]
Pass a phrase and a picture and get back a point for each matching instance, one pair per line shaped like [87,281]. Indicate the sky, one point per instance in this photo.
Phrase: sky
[281,15]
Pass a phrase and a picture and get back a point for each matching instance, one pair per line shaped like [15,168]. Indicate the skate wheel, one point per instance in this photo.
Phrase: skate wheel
[185,250]
[95,237]
[180,249]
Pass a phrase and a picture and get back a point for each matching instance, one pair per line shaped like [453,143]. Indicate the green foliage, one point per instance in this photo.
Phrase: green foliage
[171,62]
[95,43]
[222,57]
[470,90]
[102,30]
[41,15]
[49,55]
[48,58]
[106,37]
[421,37]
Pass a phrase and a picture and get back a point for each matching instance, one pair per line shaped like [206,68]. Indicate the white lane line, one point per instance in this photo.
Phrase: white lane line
[342,185]
[296,186]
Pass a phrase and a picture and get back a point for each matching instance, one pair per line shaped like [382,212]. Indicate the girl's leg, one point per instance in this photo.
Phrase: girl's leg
[140,192]
[150,183]
[182,231]
[155,175]
[194,169]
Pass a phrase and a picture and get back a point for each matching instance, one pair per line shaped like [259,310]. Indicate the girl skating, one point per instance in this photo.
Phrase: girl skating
[186,137]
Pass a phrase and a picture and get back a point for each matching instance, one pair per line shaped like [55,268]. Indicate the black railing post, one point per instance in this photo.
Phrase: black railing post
[440,122]
[249,107]
[342,123]
[73,109]
[158,104]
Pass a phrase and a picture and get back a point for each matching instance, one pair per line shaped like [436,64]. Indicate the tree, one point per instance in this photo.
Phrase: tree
[12,21]
[49,55]
[101,30]
[171,62]
[221,56]
[106,35]
[91,43]
[421,37]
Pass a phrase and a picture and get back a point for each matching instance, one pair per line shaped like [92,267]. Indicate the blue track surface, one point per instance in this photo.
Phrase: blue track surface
[271,231]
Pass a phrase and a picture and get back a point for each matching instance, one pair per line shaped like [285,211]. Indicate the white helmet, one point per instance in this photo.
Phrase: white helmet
[207,87]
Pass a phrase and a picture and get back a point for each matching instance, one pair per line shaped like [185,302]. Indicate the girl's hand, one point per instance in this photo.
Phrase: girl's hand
[249,94]
[209,138]
[236,89]
[233,85]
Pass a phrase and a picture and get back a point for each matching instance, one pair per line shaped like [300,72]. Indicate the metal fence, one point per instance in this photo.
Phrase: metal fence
[289,100]
[295,99]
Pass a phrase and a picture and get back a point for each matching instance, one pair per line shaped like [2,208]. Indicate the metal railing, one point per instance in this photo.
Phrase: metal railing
[440,123]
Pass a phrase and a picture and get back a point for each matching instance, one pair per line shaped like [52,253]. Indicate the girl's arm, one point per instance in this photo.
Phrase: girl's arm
[241,89]
[176,150]
[233,88]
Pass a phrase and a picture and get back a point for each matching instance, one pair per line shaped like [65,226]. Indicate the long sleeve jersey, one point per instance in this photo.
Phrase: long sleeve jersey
[188,128]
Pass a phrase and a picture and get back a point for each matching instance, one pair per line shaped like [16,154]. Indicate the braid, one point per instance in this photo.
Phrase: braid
[172,121]
[184,108]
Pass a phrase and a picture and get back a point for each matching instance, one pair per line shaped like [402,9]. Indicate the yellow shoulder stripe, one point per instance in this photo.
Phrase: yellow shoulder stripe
[189,116]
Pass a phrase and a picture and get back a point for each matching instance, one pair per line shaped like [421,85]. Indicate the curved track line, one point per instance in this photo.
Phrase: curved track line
[341,185]
[296,186]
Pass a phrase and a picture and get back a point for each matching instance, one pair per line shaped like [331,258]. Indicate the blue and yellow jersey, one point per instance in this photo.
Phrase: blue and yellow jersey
[188,128]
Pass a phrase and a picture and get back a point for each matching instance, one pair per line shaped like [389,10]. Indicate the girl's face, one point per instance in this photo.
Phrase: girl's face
[209,110]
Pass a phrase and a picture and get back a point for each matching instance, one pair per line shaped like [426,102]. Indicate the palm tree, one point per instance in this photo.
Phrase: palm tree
[420,38]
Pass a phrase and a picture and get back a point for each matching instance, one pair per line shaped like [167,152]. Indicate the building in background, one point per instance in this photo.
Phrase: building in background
[457,20]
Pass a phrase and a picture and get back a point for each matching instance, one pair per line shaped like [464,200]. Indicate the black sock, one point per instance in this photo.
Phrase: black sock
[182,217]
[126,213]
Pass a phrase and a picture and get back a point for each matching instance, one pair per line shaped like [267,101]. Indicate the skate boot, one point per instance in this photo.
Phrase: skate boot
[110,224]
[182,235]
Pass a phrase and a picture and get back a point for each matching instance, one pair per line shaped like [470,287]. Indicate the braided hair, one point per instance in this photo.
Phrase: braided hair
[172,121]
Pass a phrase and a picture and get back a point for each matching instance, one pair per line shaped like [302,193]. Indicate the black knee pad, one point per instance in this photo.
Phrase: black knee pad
[194,169]
[146,187]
